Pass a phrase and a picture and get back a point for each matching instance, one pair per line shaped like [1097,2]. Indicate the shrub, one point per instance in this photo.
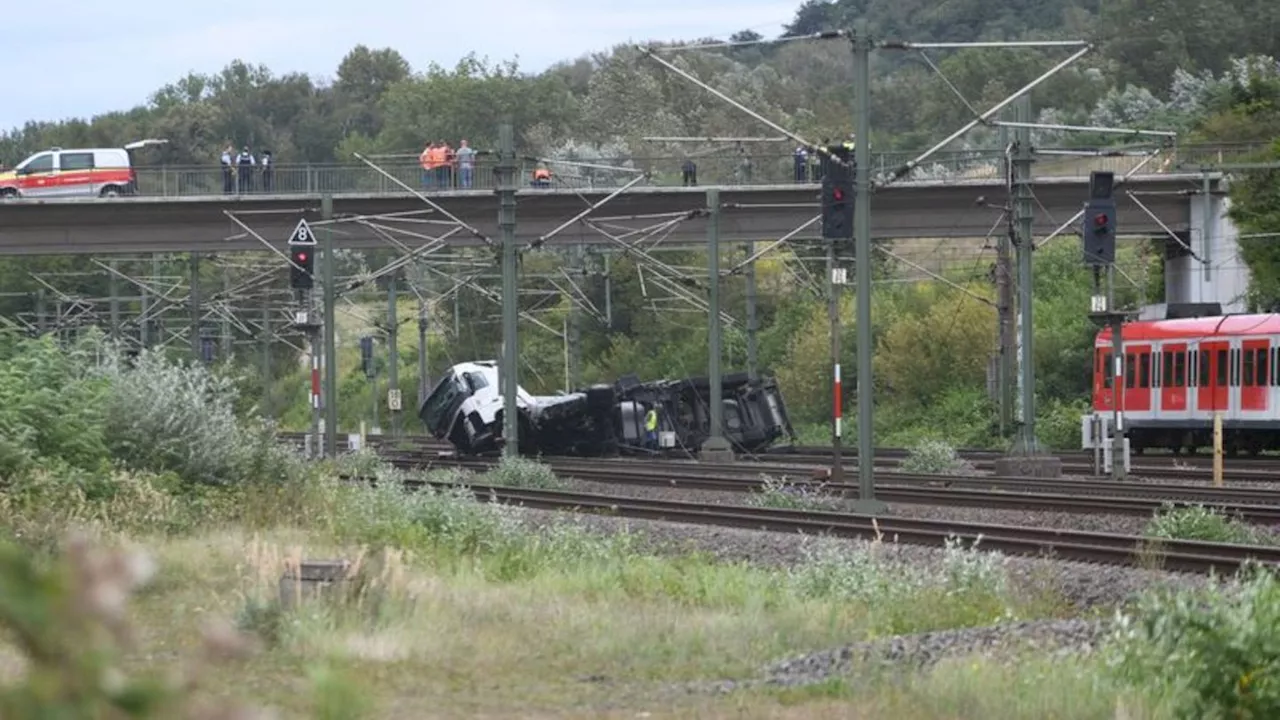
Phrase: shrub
[523,473]
[1216,650]
[166,416]
[970,587]
[781,493]
[935,456]
[1197,522]
[51,409]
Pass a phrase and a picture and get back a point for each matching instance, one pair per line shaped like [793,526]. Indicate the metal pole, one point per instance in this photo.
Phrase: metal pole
[226,316]
[608,291]
[867,502]
[1026,442]
[753,348]
[156,264]
[716,448]
[144,324]
[1120,379]
[393,354]
[113,289]
[266,356]
[42,319]
[837,401]
[330,333]
[510,288]
[1207,227]
[1004,293]
[424,324]
[573,334]
[194,301]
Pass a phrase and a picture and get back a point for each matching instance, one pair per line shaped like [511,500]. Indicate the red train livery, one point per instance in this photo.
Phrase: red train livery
[1179,373]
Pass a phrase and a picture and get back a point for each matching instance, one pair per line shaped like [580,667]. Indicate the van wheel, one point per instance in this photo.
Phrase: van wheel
[8,194]
[110,191]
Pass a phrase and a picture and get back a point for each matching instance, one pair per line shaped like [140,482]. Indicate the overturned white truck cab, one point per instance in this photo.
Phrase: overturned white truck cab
[465,407]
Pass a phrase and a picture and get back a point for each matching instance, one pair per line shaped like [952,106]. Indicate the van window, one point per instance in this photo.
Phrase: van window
[76,161]
[40,163]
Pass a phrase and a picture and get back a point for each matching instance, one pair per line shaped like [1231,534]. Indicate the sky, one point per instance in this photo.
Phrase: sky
[72,58]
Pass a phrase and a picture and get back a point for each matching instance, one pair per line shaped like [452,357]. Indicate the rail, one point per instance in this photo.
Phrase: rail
[1108,548]
[1025,493]
[392,175]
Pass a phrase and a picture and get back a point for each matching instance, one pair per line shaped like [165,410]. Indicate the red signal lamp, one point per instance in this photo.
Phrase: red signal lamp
[1100,220]
[837,194]
[302,257]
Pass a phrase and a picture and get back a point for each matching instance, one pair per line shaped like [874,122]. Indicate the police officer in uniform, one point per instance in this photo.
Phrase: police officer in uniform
[245,162]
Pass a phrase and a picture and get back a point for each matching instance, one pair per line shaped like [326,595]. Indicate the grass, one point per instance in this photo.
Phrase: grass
[464,609]
[611,628]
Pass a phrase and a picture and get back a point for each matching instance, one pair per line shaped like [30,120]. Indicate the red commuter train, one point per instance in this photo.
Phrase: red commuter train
[1179,373]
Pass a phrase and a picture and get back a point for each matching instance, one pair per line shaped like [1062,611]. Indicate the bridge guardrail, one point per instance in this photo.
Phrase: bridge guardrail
[763,169]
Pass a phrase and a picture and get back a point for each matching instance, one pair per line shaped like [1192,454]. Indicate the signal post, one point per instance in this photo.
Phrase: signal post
[837,234]
[302,251]
[1098,233]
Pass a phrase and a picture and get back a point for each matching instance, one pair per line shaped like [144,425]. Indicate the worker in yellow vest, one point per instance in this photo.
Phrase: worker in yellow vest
[651,429]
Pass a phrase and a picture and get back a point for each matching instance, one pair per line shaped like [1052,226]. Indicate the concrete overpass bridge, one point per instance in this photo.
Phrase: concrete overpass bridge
[922,209]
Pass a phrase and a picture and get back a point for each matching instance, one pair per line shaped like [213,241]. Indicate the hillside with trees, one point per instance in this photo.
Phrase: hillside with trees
[1205,68]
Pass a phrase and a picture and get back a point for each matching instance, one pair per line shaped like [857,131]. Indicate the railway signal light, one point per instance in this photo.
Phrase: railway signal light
[366,356]
[302,251]
[1099,231]
[837,210]
[303,260]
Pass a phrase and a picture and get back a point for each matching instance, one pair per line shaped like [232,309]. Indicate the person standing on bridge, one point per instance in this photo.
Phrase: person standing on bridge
[689,172]
[268,171]
[466,164]
[801,156]
[228,178]
[246,162]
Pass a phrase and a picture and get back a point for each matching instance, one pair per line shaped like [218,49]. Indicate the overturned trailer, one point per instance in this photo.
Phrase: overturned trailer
[465,408]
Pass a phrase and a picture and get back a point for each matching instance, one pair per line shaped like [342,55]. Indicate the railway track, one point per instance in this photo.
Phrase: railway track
[1179,555]
[1069,496]
[1240,469]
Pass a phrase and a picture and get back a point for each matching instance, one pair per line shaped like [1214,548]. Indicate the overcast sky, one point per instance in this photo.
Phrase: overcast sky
[72,58]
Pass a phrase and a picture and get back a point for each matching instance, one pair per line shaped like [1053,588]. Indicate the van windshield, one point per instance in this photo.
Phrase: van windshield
[441,400]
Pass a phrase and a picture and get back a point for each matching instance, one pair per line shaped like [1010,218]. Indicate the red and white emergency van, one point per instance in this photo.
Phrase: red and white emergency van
[79,172]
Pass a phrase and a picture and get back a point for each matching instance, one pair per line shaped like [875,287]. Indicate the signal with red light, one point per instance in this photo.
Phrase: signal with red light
[302,264]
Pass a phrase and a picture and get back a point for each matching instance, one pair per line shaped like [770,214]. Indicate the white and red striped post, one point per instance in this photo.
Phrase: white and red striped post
[835,390]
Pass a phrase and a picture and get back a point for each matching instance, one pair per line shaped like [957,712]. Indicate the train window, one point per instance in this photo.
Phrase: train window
[1179,369]
[1247,376]
[1167,377]
[1263,377]
[1273,367]
[1222,368]
[1144,370]
[1130,366]
[1108,371]
[1202,360]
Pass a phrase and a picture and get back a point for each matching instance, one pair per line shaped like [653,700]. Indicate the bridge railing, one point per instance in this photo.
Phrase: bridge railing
[609,173]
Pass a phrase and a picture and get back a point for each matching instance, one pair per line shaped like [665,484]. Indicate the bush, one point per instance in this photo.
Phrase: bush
[935,456]
[522,472]
[970,587]
[1217,651]
[1197,522]
[783,494]
[51,410]
[167,416]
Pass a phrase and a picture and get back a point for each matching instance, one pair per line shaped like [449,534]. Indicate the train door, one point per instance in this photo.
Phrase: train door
[1254,378]
[1214,390]
[1137,379]
[1173,379]
[1103,377]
